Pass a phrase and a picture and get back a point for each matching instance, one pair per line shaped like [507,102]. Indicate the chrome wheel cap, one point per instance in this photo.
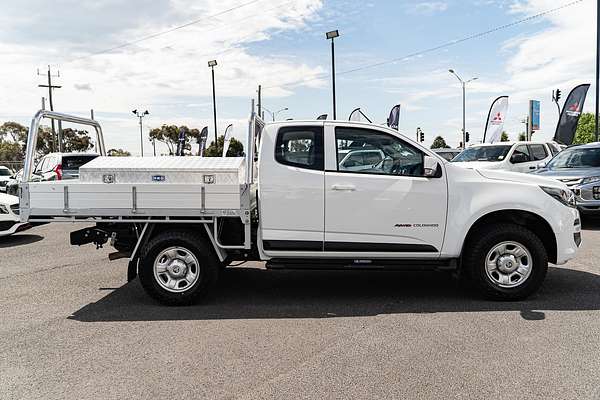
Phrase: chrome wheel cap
[176,269]
[508,264]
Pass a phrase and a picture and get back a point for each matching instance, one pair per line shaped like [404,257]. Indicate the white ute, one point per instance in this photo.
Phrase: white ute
[181,220]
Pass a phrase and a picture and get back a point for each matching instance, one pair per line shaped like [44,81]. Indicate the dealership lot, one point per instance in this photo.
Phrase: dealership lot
[73,328]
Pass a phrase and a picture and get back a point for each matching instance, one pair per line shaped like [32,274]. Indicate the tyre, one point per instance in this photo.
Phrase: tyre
[178,268]
[505,262]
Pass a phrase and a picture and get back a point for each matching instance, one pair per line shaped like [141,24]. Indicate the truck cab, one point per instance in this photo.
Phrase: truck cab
[294,202]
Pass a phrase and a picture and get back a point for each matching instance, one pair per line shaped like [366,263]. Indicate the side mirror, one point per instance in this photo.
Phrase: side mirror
[432,167]
[519,158]
[542,165]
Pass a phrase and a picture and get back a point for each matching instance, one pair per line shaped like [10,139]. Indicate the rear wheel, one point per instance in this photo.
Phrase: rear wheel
[178,268]
[506,262]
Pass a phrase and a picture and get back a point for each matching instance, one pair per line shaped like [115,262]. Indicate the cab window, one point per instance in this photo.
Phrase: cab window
[538,152]
[368,151]
[520,155]
[300,147]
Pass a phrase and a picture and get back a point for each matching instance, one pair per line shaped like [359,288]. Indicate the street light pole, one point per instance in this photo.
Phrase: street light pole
[464,98]
[274,114]
[332,35]
[597,67]
[212,65]
[140,116]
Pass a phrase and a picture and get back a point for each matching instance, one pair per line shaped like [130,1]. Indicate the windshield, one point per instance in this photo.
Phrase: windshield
[5,172]
[576,158]
[483,153]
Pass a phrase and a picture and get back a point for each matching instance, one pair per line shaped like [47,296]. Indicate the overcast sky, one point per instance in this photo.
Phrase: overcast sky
[281,44]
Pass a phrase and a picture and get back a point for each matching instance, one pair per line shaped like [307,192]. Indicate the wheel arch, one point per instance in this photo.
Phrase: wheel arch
[532,221]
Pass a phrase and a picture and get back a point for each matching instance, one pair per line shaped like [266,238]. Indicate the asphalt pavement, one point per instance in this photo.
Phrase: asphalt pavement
[73,328]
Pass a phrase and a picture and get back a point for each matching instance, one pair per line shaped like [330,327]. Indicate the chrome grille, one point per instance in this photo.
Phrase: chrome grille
[15,208]
[571,181]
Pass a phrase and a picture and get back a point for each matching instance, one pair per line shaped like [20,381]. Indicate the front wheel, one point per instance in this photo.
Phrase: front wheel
[178,268]
[506,262]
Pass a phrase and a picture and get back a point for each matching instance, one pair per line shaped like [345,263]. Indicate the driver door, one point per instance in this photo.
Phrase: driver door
[387,210]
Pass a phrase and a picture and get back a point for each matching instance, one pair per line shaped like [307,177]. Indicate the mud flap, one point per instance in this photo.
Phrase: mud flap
[132,268]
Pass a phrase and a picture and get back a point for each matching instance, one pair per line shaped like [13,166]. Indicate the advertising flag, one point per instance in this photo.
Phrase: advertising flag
[534,113]
[495,121]
[202,141]
[393,120]
[227,139]
[569,117]
[358,115]
[180,142]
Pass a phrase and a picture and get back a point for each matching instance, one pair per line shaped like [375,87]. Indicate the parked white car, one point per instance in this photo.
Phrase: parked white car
[507,156]
[5,175]
[9,215]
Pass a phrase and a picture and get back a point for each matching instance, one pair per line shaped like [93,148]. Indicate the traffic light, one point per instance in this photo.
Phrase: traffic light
[556,95]
[422,137]
[467,137]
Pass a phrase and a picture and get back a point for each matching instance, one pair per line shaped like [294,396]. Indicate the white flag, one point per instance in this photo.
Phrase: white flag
[495,121]
[227,139]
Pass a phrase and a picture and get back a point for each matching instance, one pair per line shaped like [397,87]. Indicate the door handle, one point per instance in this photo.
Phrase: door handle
[532,167]
[346,188]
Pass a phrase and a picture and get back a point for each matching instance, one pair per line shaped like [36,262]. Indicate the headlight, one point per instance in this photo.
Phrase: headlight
[564,196]
[3,209]
[590,179]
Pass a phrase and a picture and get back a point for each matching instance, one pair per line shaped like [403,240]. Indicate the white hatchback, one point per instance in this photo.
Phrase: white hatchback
[507,156]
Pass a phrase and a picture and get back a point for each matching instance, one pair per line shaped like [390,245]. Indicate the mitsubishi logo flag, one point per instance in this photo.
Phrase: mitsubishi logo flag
[227,139]
[495,121]
[393,120]
[569,117]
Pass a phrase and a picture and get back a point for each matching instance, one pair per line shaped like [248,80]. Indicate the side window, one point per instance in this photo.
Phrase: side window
[300,147]
[554,149]
[520,155]
[368,151]
[538,152]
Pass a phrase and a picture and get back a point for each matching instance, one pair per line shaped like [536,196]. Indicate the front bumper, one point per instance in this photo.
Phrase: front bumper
[568,235]
[10,229]
[588,198]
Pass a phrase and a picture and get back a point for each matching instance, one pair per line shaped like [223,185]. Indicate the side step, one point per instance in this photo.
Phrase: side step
[450,264]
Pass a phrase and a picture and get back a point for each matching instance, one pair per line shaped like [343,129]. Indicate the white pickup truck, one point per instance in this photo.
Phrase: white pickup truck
[289,202]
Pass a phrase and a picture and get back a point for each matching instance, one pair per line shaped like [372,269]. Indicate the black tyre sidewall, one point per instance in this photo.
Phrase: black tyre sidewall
[208,268]
[485,240]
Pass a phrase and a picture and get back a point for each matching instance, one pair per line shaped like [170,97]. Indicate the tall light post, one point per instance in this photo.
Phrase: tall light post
[597,69]
[274,114]
[464,94]
[332,35]
[141,115]
[212,64]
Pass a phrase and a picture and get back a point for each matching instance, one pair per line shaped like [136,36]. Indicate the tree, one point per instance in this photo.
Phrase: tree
[522,136]
[236,148]
[439,143]
[504,137]
[118,153]
[169,135]
[13,131]
[10,151]
[76,141]
[14,135]
[585,129]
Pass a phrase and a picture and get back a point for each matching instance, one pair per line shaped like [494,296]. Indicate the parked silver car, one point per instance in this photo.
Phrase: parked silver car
[579,168]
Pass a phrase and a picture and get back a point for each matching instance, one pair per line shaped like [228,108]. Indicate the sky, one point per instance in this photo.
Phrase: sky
[116,56]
